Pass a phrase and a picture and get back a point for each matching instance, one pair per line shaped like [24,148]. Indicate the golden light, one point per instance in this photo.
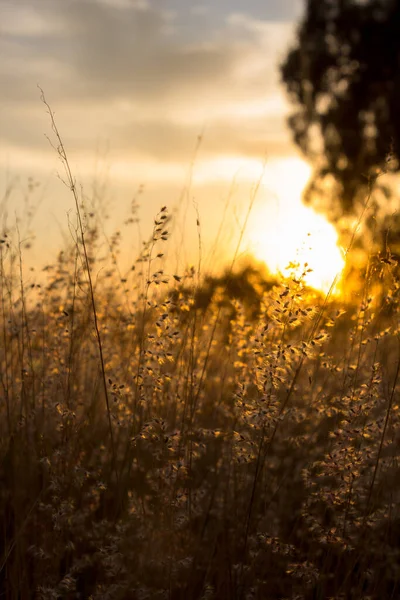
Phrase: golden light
[286,235]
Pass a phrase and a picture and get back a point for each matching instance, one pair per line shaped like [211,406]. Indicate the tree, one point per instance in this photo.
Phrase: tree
[343,77]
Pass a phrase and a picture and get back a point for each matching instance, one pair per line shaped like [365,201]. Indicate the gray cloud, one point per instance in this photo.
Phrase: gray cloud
[167,141]
[91,55]
[99,51]
[267,10]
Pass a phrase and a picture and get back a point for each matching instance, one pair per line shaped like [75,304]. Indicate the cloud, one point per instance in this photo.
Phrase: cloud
[127,72]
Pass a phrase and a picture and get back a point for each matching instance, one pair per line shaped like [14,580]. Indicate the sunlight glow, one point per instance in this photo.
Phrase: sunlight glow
[286,235]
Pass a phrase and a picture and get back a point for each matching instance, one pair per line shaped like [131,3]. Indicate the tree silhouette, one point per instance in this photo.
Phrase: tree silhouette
[343,77]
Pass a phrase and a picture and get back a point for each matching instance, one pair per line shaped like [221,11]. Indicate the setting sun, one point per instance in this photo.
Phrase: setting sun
[286,235]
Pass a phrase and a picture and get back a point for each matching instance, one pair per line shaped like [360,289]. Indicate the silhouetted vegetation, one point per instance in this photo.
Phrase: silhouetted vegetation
[245,444]
[178,436]
[343,78]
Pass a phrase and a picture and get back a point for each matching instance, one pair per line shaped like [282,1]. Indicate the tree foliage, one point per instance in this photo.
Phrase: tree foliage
[343,76]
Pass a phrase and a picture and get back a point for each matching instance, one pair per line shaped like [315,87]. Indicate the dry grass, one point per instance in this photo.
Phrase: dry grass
[179,438]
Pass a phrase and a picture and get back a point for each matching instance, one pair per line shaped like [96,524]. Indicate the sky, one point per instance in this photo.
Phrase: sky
[133,85]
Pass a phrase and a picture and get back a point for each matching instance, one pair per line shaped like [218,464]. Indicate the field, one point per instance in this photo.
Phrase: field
[175,436]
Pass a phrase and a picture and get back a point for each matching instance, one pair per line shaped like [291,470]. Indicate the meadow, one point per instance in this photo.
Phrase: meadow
[181,436]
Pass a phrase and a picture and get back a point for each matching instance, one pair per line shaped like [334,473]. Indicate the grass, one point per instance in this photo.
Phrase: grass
[192,437]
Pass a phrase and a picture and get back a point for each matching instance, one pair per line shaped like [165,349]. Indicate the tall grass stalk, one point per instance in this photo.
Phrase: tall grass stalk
[71,184]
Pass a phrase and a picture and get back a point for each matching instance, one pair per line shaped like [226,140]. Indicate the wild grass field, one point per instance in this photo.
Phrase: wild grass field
[171,436]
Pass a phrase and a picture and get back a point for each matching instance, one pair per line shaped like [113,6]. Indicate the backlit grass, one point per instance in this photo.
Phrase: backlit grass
[170,436]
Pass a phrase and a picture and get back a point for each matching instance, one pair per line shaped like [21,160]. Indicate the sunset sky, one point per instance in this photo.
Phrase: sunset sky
[133,83]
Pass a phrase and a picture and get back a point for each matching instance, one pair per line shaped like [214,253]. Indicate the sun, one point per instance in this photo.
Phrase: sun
[301,242]
[293,239]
